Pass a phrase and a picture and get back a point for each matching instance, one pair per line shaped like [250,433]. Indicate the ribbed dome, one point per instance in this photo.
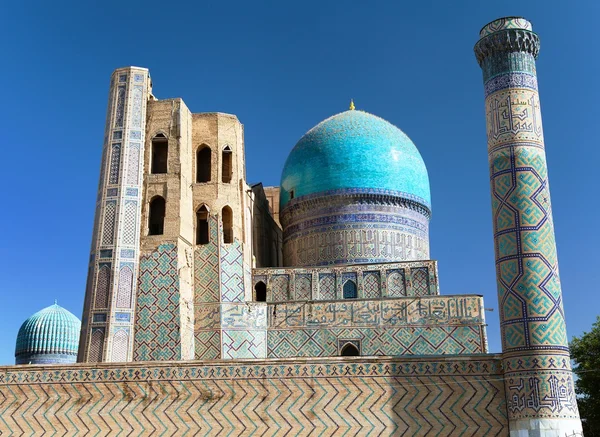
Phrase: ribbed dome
[355,149]
[49,336]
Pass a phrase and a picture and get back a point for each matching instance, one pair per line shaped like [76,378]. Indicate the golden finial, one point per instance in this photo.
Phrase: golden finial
[352,107]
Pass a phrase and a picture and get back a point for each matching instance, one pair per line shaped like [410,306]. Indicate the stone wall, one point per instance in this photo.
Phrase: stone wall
[339,396]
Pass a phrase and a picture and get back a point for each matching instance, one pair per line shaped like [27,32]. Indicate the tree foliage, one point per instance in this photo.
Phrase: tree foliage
[585,351]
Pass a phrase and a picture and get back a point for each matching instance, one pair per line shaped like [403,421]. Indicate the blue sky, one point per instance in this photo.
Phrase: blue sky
[282,67]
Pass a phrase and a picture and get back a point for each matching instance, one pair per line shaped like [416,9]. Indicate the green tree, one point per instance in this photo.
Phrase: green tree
[585,351]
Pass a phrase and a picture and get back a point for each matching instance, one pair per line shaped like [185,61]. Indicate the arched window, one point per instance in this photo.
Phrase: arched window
[156,218]
[202,225]
[350,290]
[261,291]
[227,216]
[227,164]
[349,350]
[203,159]
[160,154]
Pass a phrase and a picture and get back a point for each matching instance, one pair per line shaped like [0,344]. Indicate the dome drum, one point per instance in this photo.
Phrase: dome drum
[354,189]
[345,229]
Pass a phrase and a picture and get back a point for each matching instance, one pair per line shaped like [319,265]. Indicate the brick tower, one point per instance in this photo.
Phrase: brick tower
[108,313]
[538,378]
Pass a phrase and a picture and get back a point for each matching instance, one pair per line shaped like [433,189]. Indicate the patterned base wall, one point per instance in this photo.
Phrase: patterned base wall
[408,397]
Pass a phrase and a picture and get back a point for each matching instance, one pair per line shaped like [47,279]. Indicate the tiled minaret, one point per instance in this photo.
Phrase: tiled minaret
[108,313]
[538,378]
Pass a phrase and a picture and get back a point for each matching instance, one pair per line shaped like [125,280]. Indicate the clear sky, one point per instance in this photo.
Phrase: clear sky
[282,67]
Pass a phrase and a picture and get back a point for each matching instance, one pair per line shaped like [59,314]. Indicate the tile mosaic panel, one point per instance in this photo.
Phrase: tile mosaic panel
[108,229]
[133,163]
[529,290]
[157,324]
[103,287]
[96,345]
[303,288]
[125,287]
[432,325]
[232,272]
[115,164]
[327,289]
[371,287]
[420,282]
[129,224]
[396,283]
[391,278]
[120,345]
[279,288]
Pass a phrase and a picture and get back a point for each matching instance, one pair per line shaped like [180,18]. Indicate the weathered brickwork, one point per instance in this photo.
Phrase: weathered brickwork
[361,396]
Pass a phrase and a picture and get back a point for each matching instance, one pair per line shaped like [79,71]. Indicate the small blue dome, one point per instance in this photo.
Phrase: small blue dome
[355,149]
[50,336]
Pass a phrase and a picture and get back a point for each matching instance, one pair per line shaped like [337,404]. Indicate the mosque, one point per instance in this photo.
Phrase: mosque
[313,306]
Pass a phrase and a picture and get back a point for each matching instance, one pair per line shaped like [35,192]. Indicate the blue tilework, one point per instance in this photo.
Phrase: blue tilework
[354,149]
[47,336]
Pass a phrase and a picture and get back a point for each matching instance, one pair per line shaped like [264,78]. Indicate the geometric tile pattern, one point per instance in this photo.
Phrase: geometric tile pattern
[120,106]
[369,279]
[323,342]
[103,287]
[232,272]
[125,284]
[303,287]
[96,345]
[426,326]
[327,286]
[279,288]
[356,396]
[371,288]
[396,284]
[115,162]
[129,225]
[529,293]
[108,231]
[420,282]
[133,163]
[207,332]
[206,267]
[120,345]
[157,323]
[244,344]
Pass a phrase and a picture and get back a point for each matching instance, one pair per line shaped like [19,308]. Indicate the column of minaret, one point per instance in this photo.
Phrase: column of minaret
[538,378]
[108,315]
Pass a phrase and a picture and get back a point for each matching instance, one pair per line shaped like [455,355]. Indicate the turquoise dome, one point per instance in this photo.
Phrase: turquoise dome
[49,336]
[355,150]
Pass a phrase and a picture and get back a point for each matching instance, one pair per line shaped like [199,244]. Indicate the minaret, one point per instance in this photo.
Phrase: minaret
[538,378]
[108,314]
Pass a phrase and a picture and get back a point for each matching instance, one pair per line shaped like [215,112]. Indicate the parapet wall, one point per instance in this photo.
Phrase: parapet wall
[334,396]
[417,278]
